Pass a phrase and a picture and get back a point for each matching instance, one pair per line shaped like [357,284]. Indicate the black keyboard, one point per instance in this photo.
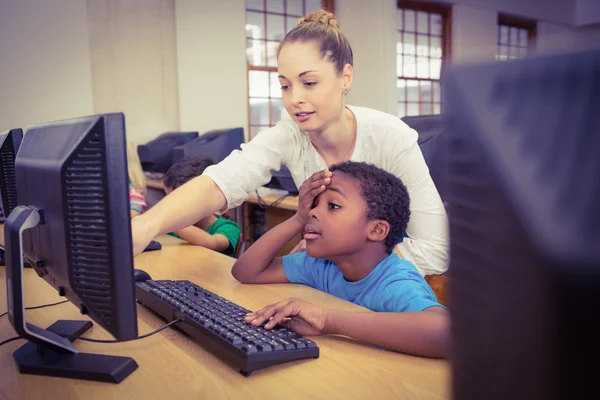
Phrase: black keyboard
[218,324]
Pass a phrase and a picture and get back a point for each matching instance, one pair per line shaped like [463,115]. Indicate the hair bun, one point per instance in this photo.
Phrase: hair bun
[322,17]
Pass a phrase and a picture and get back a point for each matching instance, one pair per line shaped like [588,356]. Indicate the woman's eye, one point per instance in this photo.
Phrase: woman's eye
[285,87]
[310,83]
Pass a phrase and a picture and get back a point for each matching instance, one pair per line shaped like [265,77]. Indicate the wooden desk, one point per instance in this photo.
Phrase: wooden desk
[173,366]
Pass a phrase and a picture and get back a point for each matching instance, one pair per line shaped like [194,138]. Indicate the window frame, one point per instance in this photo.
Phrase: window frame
[445,10]
[512,21]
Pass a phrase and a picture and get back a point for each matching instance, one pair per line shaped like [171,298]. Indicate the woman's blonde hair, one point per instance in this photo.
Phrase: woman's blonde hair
[134,168]
[321,27]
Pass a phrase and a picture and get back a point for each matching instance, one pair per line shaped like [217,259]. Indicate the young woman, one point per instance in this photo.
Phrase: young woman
[317,130]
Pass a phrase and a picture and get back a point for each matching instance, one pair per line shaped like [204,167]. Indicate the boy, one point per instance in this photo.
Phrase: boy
[351,227]
[213,232]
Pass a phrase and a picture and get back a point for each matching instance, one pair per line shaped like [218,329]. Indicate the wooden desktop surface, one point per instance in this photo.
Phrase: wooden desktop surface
[288,203]
[173,366]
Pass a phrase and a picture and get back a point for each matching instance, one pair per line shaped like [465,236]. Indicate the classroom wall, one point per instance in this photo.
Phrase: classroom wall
[587,12]
[134,64]
[212,77]
[45,68]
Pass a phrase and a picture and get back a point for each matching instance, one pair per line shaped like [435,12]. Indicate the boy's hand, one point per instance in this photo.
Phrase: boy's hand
[309,190]
[297,315]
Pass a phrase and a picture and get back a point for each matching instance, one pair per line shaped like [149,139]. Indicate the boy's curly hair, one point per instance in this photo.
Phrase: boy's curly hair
[185,170]
[385,194]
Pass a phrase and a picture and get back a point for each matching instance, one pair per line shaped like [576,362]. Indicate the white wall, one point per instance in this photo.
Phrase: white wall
[370,27]
[474,34]
[211,48]
[45,67]
[587,12]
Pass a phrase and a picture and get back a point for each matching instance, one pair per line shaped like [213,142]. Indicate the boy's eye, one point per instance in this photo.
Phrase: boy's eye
[315,203]
[333,206]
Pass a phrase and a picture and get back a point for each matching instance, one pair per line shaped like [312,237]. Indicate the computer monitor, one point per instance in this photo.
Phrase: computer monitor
[9,145]
[523,187]
[430,128]
[73,223]
[216,144]
[157,155]
[283,180]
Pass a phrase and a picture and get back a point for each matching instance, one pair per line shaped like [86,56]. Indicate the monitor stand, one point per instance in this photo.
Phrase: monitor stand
[50,352]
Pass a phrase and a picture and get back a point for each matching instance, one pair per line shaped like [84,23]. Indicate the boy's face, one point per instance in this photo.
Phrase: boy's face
[338,223]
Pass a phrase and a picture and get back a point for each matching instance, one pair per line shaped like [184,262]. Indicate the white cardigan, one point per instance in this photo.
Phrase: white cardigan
[383,140]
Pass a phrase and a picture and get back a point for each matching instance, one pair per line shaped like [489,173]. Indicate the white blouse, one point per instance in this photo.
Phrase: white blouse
[383,140]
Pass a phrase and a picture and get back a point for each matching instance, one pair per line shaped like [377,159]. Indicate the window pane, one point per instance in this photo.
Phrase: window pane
[255,25]
[258,82]
[409,20]
[259,111]
[422,67]
[291,23]
[275,6]
[272,53]
[436,24]
[436,47]
[401,85]
[503,51]
[412,89]
[435,65]
[255,52]
[422,22]
[437,108]
[523,37]
[275,86]
[312,5]
[275,28]
[436,92]
[399,65]
[255,4]
[276,109]
[412,109]
[409,43]
[503,34]
[422,45]
[425,91]
[410,68]
[514,36]
[401,110]
[513,52]
[294,7]
[426,109]
[399,19]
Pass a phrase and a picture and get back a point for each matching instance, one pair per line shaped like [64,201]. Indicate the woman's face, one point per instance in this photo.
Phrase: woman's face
[312,91]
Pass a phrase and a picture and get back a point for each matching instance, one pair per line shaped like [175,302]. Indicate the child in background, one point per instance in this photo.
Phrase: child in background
[213,232]
[352,217]
[137,182]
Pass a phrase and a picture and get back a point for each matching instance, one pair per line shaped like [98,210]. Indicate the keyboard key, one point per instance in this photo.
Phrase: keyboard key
[249,348]
[262,346]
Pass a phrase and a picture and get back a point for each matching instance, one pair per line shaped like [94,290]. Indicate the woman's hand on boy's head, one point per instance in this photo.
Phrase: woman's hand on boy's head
[297,315]
[309,191]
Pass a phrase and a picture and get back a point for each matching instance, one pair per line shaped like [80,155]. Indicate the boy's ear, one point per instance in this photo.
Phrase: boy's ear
[378,230]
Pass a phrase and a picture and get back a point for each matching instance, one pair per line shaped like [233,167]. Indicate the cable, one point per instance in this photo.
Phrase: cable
[10,340]
[263,204]
[36,307]
[128,340]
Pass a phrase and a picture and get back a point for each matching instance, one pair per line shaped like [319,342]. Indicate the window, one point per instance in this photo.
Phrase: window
[267,22]
[422,48]
[515,37]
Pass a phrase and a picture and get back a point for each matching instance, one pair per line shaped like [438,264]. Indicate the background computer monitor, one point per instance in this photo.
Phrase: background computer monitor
[523,187]
[216,144]
[74,223]
[9,145]
[430,129]
[157,154]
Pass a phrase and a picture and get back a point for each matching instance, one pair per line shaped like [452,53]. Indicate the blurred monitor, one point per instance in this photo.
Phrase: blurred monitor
[283,180]
[73,223]
[157,154]
[9,145]
[216,144]
[523,187]
[430,128]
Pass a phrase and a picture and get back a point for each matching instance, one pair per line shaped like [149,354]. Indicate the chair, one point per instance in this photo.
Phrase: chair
[238,248]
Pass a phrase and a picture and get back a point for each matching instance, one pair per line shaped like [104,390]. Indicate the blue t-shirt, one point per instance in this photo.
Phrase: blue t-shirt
[394,285]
